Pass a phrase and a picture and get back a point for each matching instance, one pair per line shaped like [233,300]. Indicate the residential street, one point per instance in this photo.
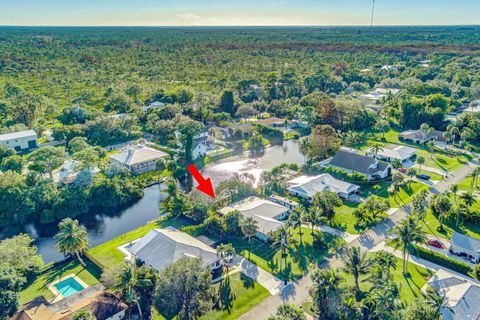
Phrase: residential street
[297,293]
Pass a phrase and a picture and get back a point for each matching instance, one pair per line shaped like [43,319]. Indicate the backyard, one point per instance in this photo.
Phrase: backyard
[301,256]
[39,285]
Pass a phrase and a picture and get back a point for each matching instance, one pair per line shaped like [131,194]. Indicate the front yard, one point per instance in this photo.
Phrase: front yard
[301,256]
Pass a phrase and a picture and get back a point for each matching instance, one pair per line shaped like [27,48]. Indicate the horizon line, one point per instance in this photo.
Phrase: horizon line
[244,26]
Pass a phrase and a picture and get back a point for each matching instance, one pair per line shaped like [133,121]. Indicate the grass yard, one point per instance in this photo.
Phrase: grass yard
[107,254]
[440,159]
[409,286]
[38,286]
[237,295]
[344,218]
[302,255]
[431,225]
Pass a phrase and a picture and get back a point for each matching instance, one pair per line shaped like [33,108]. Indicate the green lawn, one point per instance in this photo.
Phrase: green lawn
[302,255]
[409,285]
[344,218]
[237,295]
[440,159]
[107,254]
[38,286]
[431,225]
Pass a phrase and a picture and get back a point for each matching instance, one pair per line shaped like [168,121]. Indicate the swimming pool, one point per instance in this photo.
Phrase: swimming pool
[68,287]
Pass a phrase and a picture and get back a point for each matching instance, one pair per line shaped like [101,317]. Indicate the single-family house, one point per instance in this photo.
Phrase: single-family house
[20,141]
[139,159]
[289,203]
[266,213]
[201,144]
[152,106]
[393,152]
[465,245]
[159,248]
[306,187]
[353,162]
[233,131]
[95,299]
[462,295]
[274,122]
[378,93]
[420,137]
[68,172]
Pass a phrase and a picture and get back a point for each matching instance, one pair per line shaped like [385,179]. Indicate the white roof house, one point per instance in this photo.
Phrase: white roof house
[462,294]
[161,247]
[153,105]
[378,94]
[139,159]
[265,212]
[68,172]
[393,152]
[20,140]
[307,186]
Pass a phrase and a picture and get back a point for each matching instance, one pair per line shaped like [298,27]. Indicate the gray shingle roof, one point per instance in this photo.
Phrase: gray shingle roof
[138,155]
[17,135]
[161,247]
[357,162]
[466,242]
[309,186]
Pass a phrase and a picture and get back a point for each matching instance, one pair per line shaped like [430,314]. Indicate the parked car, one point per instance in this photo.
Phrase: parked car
[436,243]
[423,176]
[402,170]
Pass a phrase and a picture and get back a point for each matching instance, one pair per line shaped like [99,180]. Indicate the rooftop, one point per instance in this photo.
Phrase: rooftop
[465,242]
[310,185]
[261,210]
[357,162]
[139,154]
[18,135]
[395,151]
[161,247]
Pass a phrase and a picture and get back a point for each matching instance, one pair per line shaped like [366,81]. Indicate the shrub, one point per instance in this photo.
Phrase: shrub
[476,271]
[442,260]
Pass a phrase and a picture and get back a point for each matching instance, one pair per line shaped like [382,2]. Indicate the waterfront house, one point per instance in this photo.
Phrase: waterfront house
[139,159]
[305,187]
[353,162]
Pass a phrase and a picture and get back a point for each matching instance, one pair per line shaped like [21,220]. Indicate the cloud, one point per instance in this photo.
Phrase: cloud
[189,18]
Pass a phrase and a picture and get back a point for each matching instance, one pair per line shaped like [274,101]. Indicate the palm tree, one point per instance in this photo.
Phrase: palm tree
[407,233]
[448,136]
[263,181]
[249,228]
[375,149]
[411,172]
[355,263]
[454,190]
[128,280]
[468,199]
[431,147]
[296,218]
[315,219]
[226,252]
[420,161]
[437,301]
[304,148]
[71,238]
[326,284]
[474,176]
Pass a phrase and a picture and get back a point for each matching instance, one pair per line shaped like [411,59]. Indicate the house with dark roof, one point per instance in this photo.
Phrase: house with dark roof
[233,131]
[266,213]
[161,247]
[306,187]
[420,137]
[465,245]
[139,159]
[353,162]
[462,295]
[20,140]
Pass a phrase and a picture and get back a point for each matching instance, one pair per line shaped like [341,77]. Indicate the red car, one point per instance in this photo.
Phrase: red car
[436,243]
[402,170]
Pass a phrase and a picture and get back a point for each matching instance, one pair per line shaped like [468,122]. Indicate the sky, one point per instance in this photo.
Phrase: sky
[237,12]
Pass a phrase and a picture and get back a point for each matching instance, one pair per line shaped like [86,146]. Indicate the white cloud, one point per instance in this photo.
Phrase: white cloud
[189,18]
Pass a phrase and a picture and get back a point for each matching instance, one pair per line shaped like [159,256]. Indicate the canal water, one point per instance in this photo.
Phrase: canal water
[103,226]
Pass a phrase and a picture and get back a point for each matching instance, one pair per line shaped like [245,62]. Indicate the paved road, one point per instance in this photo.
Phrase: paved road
[297,293]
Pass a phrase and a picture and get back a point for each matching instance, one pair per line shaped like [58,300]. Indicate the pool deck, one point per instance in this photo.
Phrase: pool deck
[56,293]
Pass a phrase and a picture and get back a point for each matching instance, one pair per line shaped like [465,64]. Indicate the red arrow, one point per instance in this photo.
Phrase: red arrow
[204,185]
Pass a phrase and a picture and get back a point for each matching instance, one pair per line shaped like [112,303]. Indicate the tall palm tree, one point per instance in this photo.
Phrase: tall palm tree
[420,161]
[296,218]
[304,148]
[128,280]
[249,228]
[375,149]
[454,190]
[315,219]
[407,233]
[72,238]
[437,301]
[474,176]
[468,199]
[282,237]
[325,286]
[355,263]
[226,252]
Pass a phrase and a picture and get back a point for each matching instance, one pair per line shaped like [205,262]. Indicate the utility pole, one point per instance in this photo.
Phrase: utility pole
[373,11]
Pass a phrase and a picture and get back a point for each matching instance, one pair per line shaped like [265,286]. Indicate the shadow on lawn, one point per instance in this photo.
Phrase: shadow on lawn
[226,296]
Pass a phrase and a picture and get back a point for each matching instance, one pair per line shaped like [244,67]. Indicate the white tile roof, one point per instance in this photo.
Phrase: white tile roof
[261,210]
[310,185]
[395,151]
[18,135]
[463,295]
[133,156]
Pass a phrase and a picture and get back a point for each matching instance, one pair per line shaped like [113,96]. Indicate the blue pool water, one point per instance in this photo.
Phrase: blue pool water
[68,287]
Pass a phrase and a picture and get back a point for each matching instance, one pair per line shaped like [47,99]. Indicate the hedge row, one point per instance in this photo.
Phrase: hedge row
[440,259]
